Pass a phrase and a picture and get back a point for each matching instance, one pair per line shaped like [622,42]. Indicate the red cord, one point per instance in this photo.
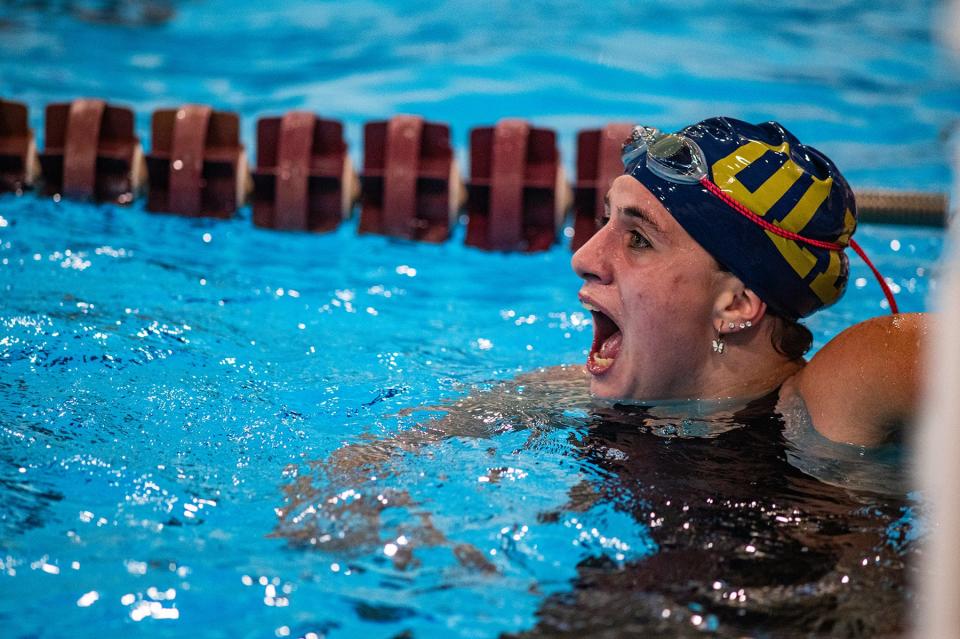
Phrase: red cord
[876,274]
[756,219]
[776,230]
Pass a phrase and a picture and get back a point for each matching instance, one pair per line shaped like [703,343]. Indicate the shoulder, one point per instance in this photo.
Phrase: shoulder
[865,383]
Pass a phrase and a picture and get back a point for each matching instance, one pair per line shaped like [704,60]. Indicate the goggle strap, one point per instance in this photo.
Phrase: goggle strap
[759,221]
[776,230]
[883,283]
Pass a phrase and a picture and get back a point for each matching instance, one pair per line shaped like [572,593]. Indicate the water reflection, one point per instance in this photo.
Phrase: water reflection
[747,542]
[739,539]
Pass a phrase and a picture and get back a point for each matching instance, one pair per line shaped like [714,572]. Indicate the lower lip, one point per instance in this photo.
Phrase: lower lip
[596,369]
[597,365]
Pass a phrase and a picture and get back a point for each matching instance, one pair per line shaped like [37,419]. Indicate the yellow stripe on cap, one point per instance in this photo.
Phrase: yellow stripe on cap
[825,284]
[798,257]
[849,226]
[806,207]
[725,171]
[760,201]
[765,197]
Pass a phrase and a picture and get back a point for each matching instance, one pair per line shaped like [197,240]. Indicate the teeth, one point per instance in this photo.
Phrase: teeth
[590,307]
[602,361]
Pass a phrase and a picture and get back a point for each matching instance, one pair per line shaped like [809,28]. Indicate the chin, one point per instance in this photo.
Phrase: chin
[607,389]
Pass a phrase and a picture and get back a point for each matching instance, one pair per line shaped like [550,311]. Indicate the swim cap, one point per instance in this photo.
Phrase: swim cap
[782,183]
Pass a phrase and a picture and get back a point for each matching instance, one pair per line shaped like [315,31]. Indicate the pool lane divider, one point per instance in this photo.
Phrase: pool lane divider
[598,165]
[19,167]
[91,152]
[197,166]
[883,206]
[516,197]
[517,193]
[411,187]
[304,180]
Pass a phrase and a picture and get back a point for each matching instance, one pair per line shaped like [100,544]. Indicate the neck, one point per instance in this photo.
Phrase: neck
[748,367]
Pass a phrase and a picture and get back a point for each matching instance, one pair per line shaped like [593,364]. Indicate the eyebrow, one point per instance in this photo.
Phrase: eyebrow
[635,213]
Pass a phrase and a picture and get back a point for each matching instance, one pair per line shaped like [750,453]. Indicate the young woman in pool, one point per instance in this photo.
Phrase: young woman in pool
[717,240]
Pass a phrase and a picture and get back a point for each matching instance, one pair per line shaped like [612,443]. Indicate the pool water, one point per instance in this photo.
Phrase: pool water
[212,429]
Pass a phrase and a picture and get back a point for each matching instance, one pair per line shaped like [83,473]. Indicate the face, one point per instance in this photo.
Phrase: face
[651,290]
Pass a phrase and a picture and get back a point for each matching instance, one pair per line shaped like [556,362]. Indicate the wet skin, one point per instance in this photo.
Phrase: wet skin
[644,272]
[658,300]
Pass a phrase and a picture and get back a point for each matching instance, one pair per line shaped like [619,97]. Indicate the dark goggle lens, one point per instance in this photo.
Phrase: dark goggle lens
[674,152]
[674,157]
[671,156]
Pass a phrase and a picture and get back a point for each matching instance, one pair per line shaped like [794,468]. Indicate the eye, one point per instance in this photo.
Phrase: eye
[638,240]
[602,220]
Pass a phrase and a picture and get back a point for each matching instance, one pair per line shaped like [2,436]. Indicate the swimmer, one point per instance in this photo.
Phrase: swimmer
[693,413]
[717,240]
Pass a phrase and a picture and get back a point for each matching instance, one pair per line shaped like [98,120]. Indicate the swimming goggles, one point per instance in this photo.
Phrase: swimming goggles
[671,156]
[679,159]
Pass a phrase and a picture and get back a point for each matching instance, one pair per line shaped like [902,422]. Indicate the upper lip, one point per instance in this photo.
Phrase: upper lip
[604,324]
[593,305]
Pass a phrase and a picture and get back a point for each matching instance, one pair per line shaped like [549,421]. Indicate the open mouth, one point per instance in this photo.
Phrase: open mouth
[607,339]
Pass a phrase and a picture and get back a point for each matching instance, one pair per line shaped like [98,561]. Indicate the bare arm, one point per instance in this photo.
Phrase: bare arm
[337,502]
[865,383]
[476,415]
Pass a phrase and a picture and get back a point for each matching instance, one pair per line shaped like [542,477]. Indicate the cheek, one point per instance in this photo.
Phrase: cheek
[674,304]
[685,294]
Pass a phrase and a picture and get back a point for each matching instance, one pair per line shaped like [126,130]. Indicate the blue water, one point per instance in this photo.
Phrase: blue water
[865,81]
[176,394]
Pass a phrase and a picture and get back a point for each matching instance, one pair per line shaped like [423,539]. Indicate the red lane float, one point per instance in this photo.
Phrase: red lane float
[197,165]
[598,164]
[91,152]
[411,187]
[18,151]
[517,192]
[304,180]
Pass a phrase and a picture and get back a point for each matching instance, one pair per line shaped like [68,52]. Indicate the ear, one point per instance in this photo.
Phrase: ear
[738,306]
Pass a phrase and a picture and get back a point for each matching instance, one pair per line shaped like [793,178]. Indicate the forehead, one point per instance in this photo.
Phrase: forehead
[627,195]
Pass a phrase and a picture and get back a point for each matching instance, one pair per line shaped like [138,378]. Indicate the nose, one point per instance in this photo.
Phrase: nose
[592,260]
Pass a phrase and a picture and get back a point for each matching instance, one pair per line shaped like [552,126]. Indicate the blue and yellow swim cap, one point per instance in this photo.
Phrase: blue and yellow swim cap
[776,213]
